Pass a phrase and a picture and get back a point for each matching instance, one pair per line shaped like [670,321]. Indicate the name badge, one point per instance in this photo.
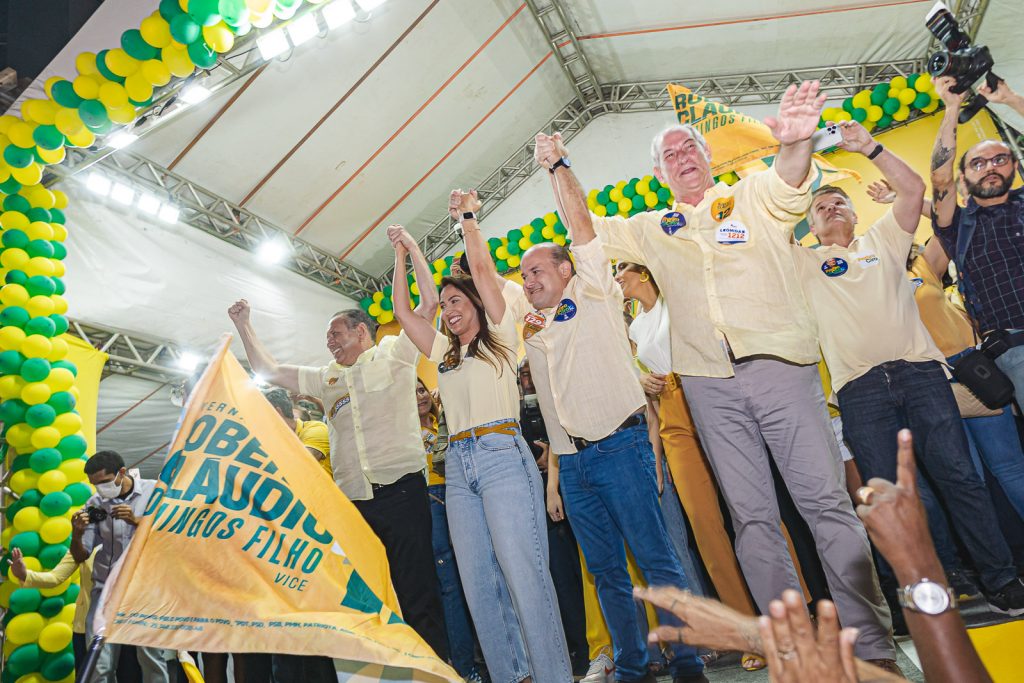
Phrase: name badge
[533,323]
[672,221]
[732,232]
[566,310]
[339,404]
[866,260]
[834,267]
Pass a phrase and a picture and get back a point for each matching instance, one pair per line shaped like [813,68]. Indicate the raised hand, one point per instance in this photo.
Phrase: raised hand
[400,238]
[796,654]
[951,99]
[549,149]
[799,113]
[1002,94]
[706,623]
[18,567]
[881,192]
[239,312]
[856,137]
[460,202]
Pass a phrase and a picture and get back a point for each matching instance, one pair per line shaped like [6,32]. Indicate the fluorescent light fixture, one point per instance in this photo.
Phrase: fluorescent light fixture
[98,183]
[168,213]
[272,44]
[367,5]
[302,29]
[338,13]
[149,204]
[122,194]
[272,251]
[122,139]
[194,93]
[188,361]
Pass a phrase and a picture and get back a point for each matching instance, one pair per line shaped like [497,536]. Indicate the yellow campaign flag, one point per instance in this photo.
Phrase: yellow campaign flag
[246,547]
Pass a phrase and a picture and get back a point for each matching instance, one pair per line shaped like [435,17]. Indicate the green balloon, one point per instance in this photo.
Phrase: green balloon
[58,285]
[35,369]
[57,216]
[41,325]
[891,105]
[101,66]
[629,191]
[45,459]
[41,415]
[515,235]
[60,323]
[848,104]
[133,43]
[15,239]
[879,95]
[48,137]
[39,285]
[612,208]
[513,248]
[38,213]
[201,55]
[58,666]
[912,79]
[60,252]
[16,277]
[884,122]
[365,303]
[72,446]
[64,94]
[233,12]
[101,128]
[67,365]
[922,100]
[204,12]
[53,505]
[71,594]
[25,600]
[537,224]
[12,411]
[14,315]
[10,364]
[93,113]
[170,9]
[638,202]
[502,266]
[10,186]
[184,29]
[21,462]
[79,492]
[50,607]
[27,658]
[602,197]
[40,248]
[28,542]
[32,498]
[62,402]
[17,157]
[12,510]
[664,194]
[654,184]
[560,229]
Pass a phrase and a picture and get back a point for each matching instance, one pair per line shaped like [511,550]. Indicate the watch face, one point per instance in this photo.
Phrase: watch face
[930,598]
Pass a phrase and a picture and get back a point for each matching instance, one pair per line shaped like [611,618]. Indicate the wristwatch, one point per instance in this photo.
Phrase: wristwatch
[564,162]
[468,216]
[927,597]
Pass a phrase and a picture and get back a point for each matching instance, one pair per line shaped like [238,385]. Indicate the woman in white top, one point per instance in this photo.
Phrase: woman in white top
[691,473]
[495,499]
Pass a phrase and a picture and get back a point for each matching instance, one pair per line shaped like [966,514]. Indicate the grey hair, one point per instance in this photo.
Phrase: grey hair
[354,316]
[687,128]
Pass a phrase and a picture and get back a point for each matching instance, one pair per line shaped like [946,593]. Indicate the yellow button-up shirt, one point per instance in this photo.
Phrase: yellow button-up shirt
[581,362]
[725,271]
[63,571]
[314,434]
[373,425]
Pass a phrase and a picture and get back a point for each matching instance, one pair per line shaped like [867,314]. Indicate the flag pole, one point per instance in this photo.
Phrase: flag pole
[93,656]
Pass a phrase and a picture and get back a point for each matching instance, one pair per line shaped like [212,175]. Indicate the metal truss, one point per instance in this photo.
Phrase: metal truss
[211,213]
[554,21]
[133,354]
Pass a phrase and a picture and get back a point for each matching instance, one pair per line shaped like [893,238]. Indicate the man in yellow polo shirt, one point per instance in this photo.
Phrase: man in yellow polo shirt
[744,344]
[886,370]
[312,433]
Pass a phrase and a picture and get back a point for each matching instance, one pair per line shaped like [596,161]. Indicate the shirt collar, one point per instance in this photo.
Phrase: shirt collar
[717,189]
[365,357]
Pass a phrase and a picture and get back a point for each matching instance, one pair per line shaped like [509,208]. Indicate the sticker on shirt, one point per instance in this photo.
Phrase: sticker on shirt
[834,267]
[566,310]
[916,282]
[866,260]
[732,232]
[722,207]
[332,381]
[672,221]
[533,323]
[339,404]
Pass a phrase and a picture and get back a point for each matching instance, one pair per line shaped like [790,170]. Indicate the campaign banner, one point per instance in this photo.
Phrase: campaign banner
[246,546]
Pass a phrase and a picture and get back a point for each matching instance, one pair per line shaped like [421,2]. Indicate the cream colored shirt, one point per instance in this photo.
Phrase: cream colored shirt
[650,331]
[725,272]
[475,393]
[372,421]
[580,358]
[864,303]
[64,570]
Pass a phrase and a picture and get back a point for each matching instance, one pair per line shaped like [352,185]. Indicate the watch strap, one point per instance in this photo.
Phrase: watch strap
[876,151]
[561,163]
[469,216]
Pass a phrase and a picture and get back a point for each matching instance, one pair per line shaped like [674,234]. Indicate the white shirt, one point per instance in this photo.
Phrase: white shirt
[650,331]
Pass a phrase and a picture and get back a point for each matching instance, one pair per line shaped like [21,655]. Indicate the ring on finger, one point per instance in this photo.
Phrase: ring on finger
[787,655]
[864,494]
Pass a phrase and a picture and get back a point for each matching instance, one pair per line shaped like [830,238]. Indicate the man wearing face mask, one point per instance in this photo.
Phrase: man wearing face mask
[117,509]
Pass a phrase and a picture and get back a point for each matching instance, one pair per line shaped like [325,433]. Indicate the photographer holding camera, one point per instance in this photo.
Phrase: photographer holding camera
[984,238]
[107,524]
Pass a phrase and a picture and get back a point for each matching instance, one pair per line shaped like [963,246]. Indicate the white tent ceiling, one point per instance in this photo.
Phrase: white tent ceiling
[365,127]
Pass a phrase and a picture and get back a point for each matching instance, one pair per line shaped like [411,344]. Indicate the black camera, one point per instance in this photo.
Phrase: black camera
[966,63]
[96,514]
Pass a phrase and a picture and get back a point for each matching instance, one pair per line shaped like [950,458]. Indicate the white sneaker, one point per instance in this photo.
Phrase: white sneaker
[602,670]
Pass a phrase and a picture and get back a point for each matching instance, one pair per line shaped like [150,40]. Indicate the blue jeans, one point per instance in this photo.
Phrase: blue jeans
[461,639]
[675,525]
[611,499]
[1012,364]
[899,394]
[496,514]
[995,442]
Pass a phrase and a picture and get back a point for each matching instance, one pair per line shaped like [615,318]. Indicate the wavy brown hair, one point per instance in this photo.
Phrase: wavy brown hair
[485,345]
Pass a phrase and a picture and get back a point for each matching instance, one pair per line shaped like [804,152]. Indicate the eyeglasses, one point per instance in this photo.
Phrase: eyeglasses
[998,161]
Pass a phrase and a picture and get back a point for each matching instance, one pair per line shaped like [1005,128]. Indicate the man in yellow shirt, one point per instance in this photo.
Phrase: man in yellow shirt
[886,370]
[744,344]
[312,433]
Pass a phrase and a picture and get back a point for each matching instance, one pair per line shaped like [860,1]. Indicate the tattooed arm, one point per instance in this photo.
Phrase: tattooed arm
[943,187]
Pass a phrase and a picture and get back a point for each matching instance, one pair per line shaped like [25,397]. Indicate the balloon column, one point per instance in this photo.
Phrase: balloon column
[887,103]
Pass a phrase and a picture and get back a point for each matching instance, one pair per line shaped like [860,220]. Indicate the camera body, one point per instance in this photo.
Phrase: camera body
[96,514]
[966,63]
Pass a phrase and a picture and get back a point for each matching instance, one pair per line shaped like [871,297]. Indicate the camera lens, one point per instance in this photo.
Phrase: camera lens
[939,64]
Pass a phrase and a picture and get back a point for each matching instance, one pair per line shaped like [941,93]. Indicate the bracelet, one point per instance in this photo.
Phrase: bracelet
[469,216]
[876,151]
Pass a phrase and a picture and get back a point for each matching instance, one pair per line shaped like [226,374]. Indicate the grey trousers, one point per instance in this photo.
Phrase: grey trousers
[782,405]
[151,659]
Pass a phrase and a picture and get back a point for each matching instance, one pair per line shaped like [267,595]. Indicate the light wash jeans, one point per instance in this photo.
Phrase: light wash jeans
[496,515]
[1012,364]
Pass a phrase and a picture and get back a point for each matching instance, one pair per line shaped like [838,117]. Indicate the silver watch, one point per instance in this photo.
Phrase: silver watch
[927,597]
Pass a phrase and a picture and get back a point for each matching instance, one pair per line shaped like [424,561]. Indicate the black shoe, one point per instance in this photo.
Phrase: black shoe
[962,584]
[1009,599]
[690,678]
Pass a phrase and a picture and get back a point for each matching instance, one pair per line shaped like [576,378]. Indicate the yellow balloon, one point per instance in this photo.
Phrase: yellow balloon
[82,138]
[600,210]
[560,240]
[259,6]
[40,196]
[875,112]
[13,259]
[67,614]
[219,37]
[51,156]
[14,220]
[60,233]
[57,590]
[907,95]
[62,379]
[74,470]
[113,95]
[261,19]
[39,265]
[23,480]
[30,175]
[86,87]
[60,200]
[651,199]
[156,72]
[898,82]
[513,261]
[28,519]
[25,628]
[615,195]
[6,589]
[35,393]
[51,482]
[59,352]
[40,111]
[60,304]
[121,63]
[85,62]
[385,317]
[55,529]
[156,31]
[437,278]
[923,83]
[374,309]
[68,121]
[177,61]
[55,637]
[902,113]
[40,305]
[643,187]
[932,106]
[139,89]
[625,205]
[550,218]
[37,346]
[58,268]
[45,437]
[20,133]
[39,230]
[11,338]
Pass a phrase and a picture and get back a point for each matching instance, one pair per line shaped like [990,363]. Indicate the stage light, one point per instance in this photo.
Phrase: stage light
[188,361]
[194,93]
[149,204]
[302,29]
[272,251]
[169,213]
[272,44]
[122,139]
[122,194]
[338,13]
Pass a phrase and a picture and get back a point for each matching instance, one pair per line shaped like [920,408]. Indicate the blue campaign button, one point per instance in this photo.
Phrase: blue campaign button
[672,221]
[834,267]
[566,310]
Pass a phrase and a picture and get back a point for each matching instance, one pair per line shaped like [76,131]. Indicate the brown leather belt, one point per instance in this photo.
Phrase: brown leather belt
[509,428]
[637,418]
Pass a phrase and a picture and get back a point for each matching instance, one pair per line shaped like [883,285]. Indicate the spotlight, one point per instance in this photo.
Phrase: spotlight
[188,361]
[122,139]
[272,44]
[194,93]
[302,29]
[338,13]
[272,251]
[98,183]
[168,213]
[122,194]
[149,204]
